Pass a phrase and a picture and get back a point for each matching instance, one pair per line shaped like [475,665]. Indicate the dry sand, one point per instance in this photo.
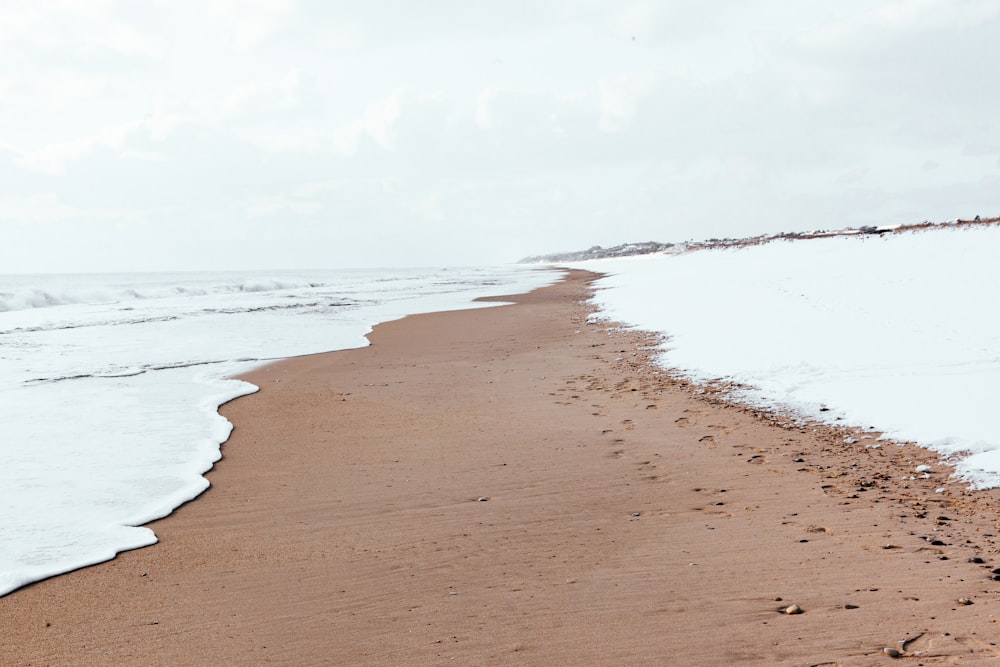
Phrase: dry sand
[517,486]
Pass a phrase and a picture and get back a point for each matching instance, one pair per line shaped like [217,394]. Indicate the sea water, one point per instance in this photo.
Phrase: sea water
[110,384]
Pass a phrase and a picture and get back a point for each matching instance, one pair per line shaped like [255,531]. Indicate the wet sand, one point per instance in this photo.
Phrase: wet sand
[518,486]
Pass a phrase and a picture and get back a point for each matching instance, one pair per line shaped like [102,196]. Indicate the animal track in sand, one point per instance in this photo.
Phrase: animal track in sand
[714,510]
[968,642]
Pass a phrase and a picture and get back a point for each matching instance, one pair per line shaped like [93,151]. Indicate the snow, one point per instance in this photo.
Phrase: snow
[898,333]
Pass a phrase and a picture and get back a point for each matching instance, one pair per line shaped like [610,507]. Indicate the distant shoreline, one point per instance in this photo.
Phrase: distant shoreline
[656,247]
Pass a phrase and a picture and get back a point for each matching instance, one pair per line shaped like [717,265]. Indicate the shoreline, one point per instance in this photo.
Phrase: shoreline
[517,485]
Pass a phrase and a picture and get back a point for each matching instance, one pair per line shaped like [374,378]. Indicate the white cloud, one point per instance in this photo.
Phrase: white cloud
[523,126]
[53,158]
[483,115]
[35,208]
[378,124]
[49,208]
[261,98]
[621,95]
[251,23]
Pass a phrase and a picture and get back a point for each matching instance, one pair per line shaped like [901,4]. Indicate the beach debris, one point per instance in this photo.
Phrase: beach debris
[851,606]
[977,560]
[965,602]
[482,499]
[791,610]
[891,652]
[922,468]
[636,513]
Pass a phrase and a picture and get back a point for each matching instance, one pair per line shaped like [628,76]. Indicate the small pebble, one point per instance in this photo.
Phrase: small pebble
[891,652]
[483,499]
[792,610]
[964,601]
[976,559]
[850,606]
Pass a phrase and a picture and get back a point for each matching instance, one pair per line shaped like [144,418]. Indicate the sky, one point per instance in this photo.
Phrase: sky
[243,134]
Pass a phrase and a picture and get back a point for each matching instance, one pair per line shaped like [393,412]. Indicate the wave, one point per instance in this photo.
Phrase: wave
[26,296]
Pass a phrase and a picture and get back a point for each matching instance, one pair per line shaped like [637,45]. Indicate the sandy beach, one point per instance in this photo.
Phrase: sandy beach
[521,486]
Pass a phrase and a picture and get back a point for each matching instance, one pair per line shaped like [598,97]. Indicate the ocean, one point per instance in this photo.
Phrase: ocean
[110,386]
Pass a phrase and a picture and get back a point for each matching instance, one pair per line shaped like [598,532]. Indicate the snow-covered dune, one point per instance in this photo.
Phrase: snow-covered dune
[900,333]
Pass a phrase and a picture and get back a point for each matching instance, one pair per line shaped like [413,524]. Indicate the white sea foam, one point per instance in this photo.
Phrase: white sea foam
[44,291]
[900,333]
[110,384]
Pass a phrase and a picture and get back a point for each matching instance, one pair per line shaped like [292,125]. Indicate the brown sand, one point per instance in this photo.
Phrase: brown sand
[516,486]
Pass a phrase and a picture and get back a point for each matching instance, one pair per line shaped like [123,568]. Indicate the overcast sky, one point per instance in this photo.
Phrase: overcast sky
[170,134]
